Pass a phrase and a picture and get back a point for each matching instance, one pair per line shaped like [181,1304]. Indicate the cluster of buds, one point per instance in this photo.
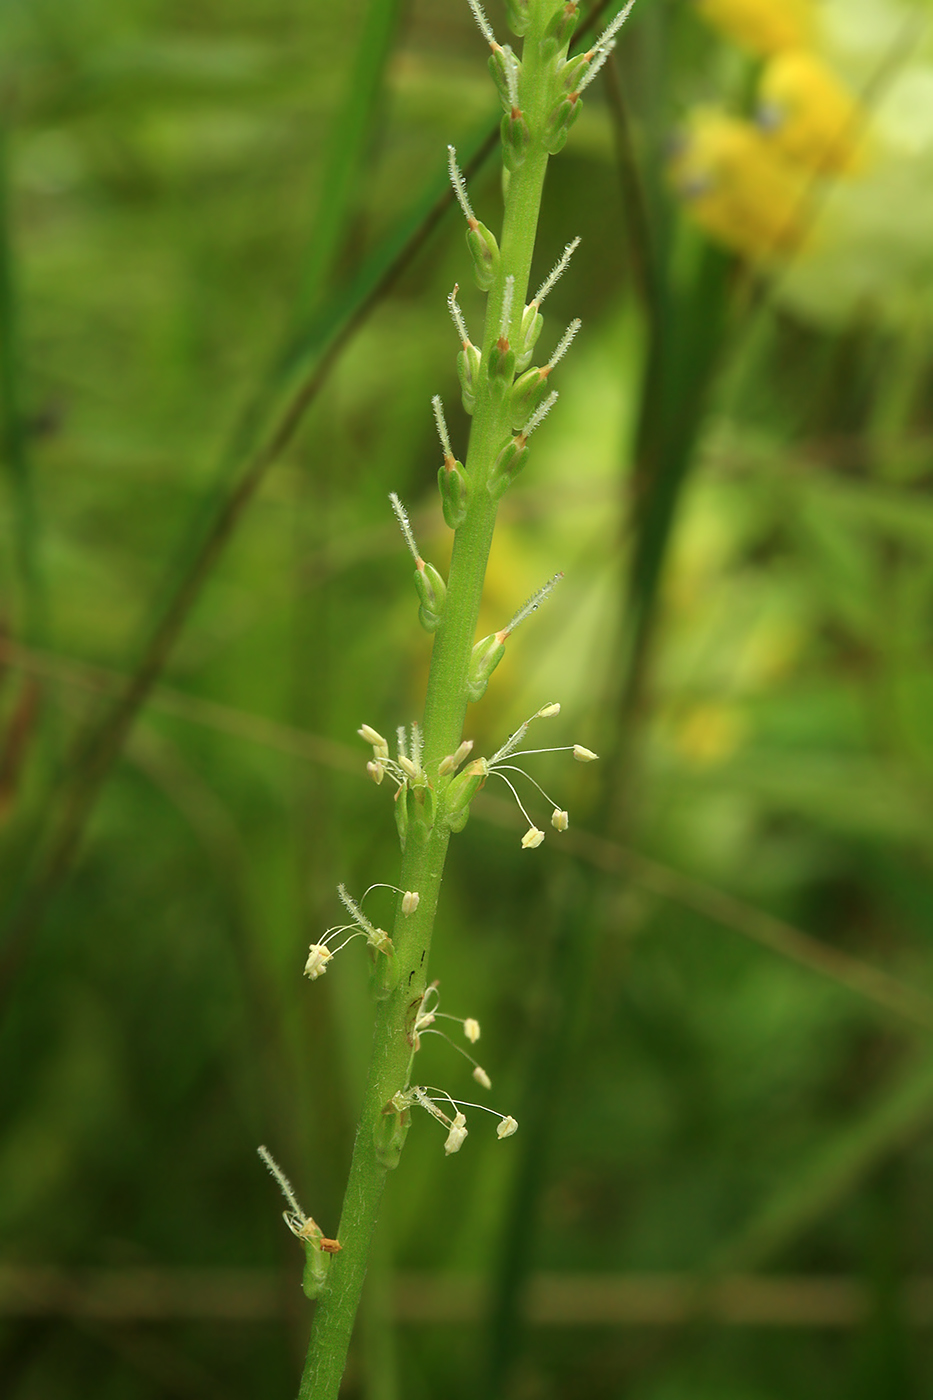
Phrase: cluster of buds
[428,1098]
[378,941]
[464,787]
[426,1013]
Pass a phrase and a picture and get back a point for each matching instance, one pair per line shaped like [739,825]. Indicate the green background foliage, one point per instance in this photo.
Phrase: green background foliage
[760,686]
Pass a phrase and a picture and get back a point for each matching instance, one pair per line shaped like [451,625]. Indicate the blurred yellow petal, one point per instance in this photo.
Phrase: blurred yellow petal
[809,115]
[738,188]
[764,26]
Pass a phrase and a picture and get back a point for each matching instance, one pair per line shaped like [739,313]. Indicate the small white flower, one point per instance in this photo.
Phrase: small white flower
[532,838]
[471,1029]
[507,1127]
[560,820]
[318,958]
[481,1077]
[455,1138]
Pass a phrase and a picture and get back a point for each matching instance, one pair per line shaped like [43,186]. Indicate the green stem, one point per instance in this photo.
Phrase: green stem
[444,714]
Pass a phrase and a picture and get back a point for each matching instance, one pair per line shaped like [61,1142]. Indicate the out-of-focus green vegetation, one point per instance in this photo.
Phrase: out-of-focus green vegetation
[737,484]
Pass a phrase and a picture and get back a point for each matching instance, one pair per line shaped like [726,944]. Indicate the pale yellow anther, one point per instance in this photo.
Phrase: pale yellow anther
[410,901]
[548,711]
[458,1131]
[372,736]
[408,767]
[560,820]
[507,1127]
[318,958]
[376,771]
[532,838]
[481,1077]
[471,1029]
[583,755]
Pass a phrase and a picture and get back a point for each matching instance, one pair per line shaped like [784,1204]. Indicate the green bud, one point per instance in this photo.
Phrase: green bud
[432,590]
[571,71]
[563,23]
[463,788]
[527,392]
[485,658]
[515,139]
[468,363]
[484,250]
[386,969]
[532,326]
[390,1133]
[517,16]
[499,62]
[421,808]
[559,123]
[501,365]
[508,464]
[317,1267]
[401,817]
[455,493]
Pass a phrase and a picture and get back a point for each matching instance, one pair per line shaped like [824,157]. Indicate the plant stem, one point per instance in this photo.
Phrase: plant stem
[444,714]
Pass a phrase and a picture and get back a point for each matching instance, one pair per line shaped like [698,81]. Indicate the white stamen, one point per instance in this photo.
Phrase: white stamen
[532,605]
[506,316]
[507,1127]
[372,736]
[539,415]
[509,784]
[407,766]
[481,1077]
[410,901]
[318,958]
[453,307]
[556,273]
[471,1029]
[532,838]
[401,516]
[583,755]
[565,343]
[485,28]
[441,425]
[376,771]
[459,184]
[514,768]
[452,761]
[548,711]
[457,1134]
[560,820]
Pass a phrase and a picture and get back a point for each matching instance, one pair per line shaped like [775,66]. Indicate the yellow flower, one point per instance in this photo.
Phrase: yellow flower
[738,188]
[809,115]
[764,26]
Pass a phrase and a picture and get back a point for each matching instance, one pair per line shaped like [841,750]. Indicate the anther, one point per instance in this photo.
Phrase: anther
[410,901]
[583,755]
[481,1077]
[471,1029]
[559,820]
[457,1135]
[507,1127]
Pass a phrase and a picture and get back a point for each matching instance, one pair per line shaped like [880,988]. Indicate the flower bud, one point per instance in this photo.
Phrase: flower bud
[559,123]
[420,809]
[505,69]
[454,487]
[531,327]
[486,656]
[484,250]
[432,590]
[386,968]
[501,365]
[468,363]
[528,392]
[517,16]
[461,792]
[390,1132]
[507,466]
[317,1267]
[563,23]
[515,139]
[571,71]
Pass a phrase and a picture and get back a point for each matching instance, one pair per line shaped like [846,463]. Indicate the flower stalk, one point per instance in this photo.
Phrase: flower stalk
[432,799]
